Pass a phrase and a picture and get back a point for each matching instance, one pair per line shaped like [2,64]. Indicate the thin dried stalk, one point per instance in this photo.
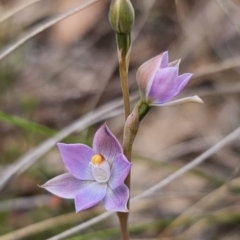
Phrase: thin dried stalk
[16,10]
[43,27]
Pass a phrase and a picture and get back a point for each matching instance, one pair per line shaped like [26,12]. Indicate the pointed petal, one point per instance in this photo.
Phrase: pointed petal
[164,62]
[194,99]
[106,144]
[90,195]
[76,158]
[179,84]
[175,63]
[163,86]
[64,186]
[116,200]
[120,169]
[147,71]
[183,80]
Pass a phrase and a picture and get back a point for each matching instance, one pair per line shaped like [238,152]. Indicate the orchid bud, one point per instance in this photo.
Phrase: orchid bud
[121,16]
[159,81]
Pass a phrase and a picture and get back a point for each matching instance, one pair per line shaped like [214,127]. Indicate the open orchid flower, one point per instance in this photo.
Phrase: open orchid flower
[159,82]
[93,174]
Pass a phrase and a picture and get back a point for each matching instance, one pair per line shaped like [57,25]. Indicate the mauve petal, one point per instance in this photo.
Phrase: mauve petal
[116,200]
[65,186]
[163,86]
[183,80]
[106,144]
[76,158]
[146,73]
[164,62]
[120,169]
[177,87]
[90,195]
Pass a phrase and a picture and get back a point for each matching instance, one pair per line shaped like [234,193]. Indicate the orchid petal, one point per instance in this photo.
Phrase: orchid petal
[161,89]
[120,169]
[90,195]
[64,186]
[174,89]
[194,99]
[175,63]
[147,71]
[116,200]
[164,62]
[106,144]
[183,80]
[159,81]
[76,158]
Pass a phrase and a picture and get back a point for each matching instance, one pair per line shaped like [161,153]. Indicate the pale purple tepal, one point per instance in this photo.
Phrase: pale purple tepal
[159,81]
[94,174]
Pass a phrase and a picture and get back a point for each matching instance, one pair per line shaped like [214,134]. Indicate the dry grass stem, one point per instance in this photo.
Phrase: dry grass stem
[16,10]
[5,52]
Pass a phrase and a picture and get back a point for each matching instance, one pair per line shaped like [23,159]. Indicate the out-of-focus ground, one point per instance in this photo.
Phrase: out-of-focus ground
[71,69]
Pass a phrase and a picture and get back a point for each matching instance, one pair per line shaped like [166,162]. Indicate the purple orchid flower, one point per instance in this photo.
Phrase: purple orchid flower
[94,174]
[159,81]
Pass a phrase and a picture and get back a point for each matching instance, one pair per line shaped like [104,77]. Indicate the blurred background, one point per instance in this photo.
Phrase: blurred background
[56,81]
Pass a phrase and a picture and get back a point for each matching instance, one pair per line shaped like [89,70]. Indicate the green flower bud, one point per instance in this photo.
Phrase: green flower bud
[121,16]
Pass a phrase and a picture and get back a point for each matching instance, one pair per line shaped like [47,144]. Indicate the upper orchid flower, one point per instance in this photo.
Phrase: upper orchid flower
[94,174]
[159,81]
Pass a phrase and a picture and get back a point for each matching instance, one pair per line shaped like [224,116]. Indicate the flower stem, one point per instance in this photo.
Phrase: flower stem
[130,131]
[123,219]
[124,48]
